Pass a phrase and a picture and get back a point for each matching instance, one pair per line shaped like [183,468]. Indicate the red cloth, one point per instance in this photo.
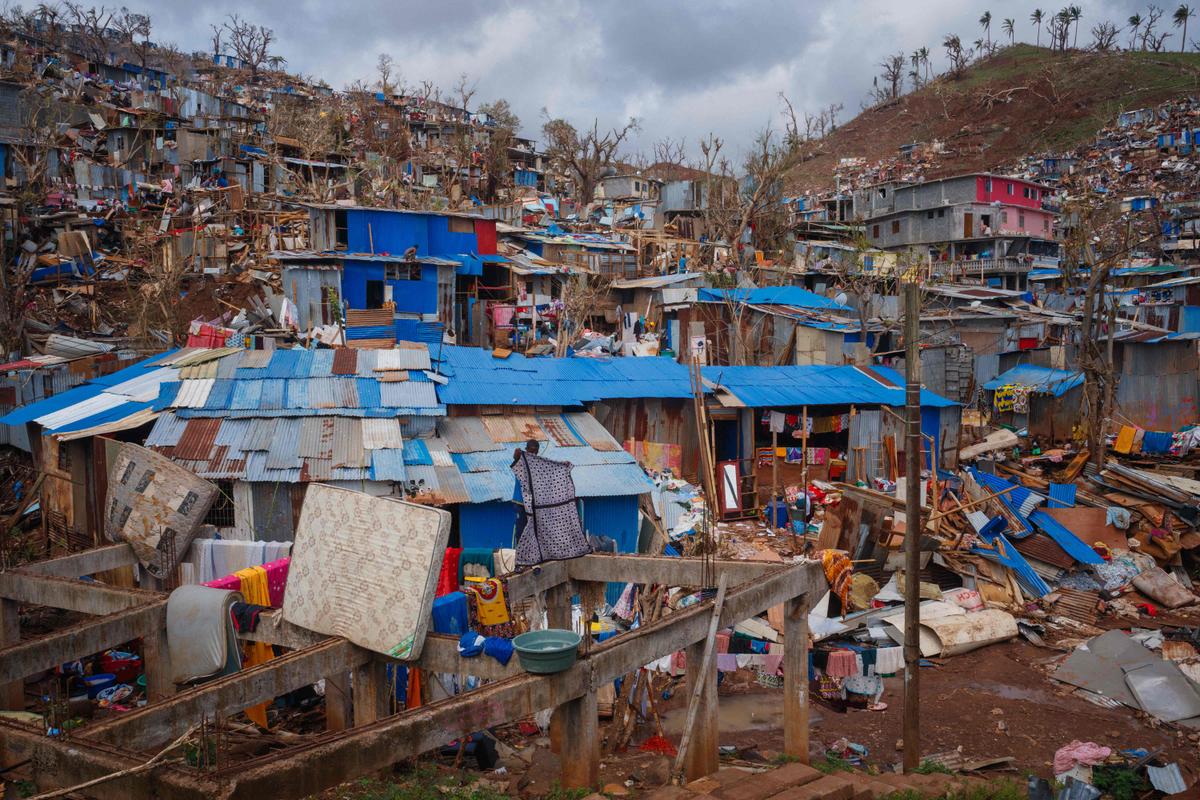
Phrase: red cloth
[277,574]
[448,579]
[229,583]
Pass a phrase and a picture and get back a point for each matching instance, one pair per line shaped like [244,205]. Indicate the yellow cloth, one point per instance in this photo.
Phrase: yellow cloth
[1124,441]
[490,602]
[254,588]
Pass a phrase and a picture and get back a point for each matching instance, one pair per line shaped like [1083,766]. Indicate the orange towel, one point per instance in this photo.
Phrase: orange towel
[254,589]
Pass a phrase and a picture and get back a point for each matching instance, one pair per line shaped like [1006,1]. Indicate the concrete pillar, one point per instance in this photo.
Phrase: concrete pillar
[703,756]
[795,679]
[580,745]
[156,659]
[12,695]
[339,707]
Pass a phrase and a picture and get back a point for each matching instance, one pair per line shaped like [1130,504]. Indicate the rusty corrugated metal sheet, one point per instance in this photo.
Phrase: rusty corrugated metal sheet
[592,432]
[379,434]
[196,442]
[514,428]
[465,435]
[1041,547]
[347,443]
[345,362]
[316,437]
[559,431]
[260,435]
[1077,605]
[451,488]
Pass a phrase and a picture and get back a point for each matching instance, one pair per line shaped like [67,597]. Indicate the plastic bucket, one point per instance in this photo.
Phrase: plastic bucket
[547,651]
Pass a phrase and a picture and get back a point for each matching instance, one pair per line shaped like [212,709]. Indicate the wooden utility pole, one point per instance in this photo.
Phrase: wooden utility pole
[912,526]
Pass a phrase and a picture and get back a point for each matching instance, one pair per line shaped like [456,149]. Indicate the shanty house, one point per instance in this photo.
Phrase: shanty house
[1043,399]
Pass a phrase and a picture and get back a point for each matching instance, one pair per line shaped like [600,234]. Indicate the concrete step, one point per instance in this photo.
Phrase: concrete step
[827,787]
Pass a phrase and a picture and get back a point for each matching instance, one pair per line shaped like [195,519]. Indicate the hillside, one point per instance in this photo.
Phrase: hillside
[1022,100]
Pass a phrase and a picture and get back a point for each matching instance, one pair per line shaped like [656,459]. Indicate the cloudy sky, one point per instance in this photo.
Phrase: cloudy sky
[683,67]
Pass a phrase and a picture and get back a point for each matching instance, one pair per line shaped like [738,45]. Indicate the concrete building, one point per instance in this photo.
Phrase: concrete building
[988,228]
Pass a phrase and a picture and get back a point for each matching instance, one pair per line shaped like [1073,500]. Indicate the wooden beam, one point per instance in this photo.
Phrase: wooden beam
[662,570]
[86,597]
[795,679]
[86,638]
[158,723]
[371,691]
[89,562]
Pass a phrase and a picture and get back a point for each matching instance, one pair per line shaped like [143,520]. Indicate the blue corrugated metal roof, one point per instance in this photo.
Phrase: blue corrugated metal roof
[1041,379]
[1075,547]
[1004,553]
[816,385]
[1062,495]
[388,464]
[1020,500]
[772,295]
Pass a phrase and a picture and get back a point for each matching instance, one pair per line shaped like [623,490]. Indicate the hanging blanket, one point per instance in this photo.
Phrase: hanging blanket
[553,530]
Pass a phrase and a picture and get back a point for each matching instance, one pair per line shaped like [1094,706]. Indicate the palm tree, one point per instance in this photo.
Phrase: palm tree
[915,74]
[1036,18]
[924,54]
[1076,13]
[1008,28]
[1181,17]
[985,22]
[1135,22]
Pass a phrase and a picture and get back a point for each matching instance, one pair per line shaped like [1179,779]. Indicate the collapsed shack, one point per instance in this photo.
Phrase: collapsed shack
[379,735]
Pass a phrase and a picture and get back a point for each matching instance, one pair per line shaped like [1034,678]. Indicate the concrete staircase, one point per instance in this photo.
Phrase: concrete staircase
[801,782]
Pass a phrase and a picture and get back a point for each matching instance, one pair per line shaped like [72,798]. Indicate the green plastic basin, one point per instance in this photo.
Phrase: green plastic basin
[547,651]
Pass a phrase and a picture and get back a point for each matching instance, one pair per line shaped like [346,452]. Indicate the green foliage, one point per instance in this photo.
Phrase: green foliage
[423,783]
[999,790]
[557,792]
[831,764]
[931,767]
[784,758]
[1120,782]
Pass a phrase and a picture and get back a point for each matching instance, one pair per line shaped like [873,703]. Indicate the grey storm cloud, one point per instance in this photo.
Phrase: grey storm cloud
[683,68]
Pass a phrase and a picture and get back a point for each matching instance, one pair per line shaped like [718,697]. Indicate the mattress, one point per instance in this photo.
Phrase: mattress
[365,568]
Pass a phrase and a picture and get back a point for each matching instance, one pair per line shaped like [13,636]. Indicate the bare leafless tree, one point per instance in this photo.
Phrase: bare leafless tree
[251,43]
[583,155]
[91,25]
[385,66]
[958,56]
[1104,36]
[893,78]
[1149,23]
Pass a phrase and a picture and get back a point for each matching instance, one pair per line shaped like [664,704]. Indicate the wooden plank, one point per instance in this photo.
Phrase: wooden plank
[89,562]
[795,680]
[535,580]
[86,597]
[371,692]
[339,710]
[156,724]
[156,658]
[660,569]
[86,638]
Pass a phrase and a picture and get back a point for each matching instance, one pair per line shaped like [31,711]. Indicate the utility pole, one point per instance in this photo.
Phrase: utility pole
[912,526]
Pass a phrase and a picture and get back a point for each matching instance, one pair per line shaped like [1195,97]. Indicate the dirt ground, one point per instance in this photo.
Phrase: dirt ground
[993,703]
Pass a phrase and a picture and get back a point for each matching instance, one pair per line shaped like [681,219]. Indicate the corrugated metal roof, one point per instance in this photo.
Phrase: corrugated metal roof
[255,359]
[408,394]
[1042,548]
[246,395]
[379,434]
[233,435]
[1044,380]
[1074,546]
[592,432]
[450,485]
[196,443]
[345,361]
[365,365]
[166,431]
[439,454]
[514,428]
[1062,495]
[272,394]
[143,388]
[416,453]
[413,357]
[465,435]
[812,385]
[260,435]
[194,393]
[284,451]
[484,487]
[388,465]
[316,437]
[348,443]
[257,470]
[558,430]
[610,480]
